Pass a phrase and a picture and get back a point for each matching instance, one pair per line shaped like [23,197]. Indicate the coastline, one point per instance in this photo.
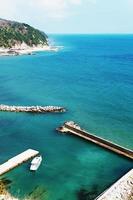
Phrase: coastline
[27,50]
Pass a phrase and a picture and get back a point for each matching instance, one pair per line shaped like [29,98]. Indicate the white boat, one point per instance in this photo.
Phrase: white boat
[35,163]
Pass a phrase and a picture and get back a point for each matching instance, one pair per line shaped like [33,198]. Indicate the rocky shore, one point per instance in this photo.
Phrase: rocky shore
[4,194]
[20,50]
[32,109]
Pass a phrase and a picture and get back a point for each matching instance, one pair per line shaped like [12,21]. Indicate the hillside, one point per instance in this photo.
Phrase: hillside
[15,34]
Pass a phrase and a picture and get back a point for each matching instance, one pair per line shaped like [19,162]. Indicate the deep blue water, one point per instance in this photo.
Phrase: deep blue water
[92,76]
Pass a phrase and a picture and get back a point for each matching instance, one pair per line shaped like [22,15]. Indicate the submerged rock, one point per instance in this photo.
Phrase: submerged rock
[39,193]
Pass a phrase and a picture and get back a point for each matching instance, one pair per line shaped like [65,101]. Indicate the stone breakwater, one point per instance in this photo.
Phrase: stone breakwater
[32,109]
[121,190]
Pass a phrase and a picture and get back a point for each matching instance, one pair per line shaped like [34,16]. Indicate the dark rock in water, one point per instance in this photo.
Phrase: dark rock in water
[90,194]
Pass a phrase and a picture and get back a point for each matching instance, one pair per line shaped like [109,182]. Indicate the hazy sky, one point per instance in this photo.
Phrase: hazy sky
[72,16]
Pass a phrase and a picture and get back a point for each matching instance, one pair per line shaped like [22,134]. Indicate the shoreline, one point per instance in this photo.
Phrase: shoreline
[18,51]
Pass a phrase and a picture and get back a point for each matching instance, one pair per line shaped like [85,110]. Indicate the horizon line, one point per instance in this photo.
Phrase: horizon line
[90,33]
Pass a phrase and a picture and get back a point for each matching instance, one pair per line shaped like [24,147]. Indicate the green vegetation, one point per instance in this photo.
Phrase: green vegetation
[12,33]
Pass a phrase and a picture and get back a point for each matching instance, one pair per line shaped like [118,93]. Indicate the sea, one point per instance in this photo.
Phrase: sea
[92,77]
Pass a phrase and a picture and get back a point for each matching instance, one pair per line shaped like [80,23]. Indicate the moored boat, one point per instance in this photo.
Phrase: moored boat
[35,163]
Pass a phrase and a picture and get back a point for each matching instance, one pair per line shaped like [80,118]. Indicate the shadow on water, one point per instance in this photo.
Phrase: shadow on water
[88,194]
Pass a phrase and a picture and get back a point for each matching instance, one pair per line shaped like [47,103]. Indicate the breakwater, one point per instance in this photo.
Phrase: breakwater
[72,128]
[32,109]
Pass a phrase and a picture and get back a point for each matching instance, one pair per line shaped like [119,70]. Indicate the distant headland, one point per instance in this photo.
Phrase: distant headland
[20,38]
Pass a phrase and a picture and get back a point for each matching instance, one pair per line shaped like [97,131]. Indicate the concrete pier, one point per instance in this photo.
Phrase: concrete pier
[32,109]
[72,128]
[17,160]
[121,190]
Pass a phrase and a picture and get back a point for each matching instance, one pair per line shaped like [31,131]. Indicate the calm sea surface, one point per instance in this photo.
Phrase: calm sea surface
[92,76]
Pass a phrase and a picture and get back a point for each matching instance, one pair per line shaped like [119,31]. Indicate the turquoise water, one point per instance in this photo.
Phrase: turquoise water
[92,76]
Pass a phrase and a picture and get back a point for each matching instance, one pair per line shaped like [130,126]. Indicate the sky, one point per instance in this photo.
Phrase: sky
[72,16]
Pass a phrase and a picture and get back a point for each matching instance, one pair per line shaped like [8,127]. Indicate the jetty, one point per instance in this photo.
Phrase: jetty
[121,190]
[17,160]
[73,128]
[32,109]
